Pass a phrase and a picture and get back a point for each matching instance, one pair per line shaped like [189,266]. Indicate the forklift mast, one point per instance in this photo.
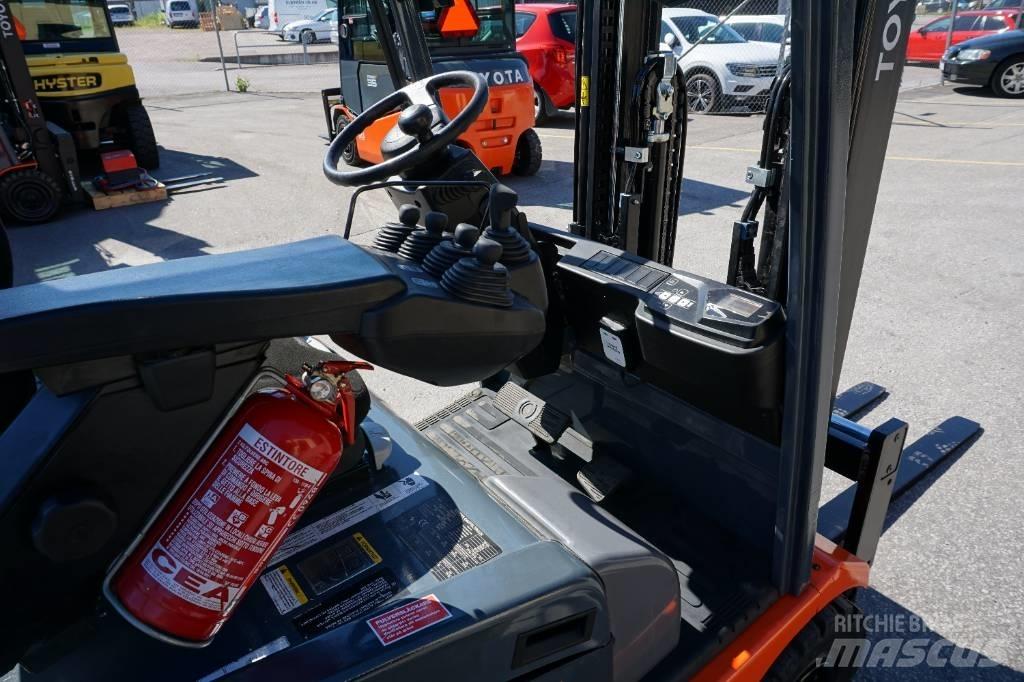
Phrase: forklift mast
[630,130]
[848,60]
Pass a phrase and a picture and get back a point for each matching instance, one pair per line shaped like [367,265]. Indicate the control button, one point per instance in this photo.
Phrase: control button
[673,299]
[664,295]
[672,282]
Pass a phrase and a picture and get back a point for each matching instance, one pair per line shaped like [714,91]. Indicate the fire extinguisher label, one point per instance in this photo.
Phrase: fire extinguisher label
[249,499]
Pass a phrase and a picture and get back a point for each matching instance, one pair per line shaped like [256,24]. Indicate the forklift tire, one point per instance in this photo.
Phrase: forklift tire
[140,138]
[805,656]
[29,196]
[528,154]
[350,154]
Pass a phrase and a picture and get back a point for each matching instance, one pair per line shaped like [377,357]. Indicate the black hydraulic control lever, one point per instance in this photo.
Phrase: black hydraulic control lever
[515,249]
[420,242]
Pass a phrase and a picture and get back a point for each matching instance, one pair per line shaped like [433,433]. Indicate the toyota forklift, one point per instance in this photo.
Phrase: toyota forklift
[478,35]
[82,79]
[196,488]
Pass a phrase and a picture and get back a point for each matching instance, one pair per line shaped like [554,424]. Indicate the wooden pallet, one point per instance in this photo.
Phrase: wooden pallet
[123,197]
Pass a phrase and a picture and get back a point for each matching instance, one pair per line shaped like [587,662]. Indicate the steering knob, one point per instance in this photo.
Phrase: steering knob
[415,121]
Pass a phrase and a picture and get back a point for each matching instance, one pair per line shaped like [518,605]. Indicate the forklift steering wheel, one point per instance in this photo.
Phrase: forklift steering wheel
[423,129]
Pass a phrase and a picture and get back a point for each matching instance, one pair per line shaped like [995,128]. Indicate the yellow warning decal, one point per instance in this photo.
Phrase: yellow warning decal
[293,584]
[585,91]
[367,547]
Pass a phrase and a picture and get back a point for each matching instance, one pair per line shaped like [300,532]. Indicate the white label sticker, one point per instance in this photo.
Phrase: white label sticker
[279,644]
[613,348]
[350,515]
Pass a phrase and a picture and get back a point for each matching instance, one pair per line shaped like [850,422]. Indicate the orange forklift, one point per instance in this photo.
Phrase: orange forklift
[475,35]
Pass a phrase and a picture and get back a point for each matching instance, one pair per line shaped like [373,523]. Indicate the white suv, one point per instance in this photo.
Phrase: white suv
[723,72]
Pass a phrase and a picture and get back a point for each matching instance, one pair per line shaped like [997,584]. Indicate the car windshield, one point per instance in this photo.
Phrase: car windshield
[179,6]
[46,25]
[327,16]
[118,9]
[693,28]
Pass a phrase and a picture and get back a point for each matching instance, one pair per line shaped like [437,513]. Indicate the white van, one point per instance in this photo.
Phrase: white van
[181,13]
[284,12]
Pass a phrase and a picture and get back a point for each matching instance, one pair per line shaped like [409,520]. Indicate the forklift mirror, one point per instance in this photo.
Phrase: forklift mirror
[343,31]
[670,39]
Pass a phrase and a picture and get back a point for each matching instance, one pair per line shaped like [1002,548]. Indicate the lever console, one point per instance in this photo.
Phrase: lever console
[717,347]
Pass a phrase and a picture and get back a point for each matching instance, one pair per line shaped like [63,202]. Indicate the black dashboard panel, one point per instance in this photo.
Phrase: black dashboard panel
[717,347]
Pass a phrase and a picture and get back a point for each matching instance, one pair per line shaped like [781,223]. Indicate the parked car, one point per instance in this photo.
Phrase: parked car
[760,28]
[181,13]
[927,43]
[309,31]
[546,37]
[121,15]
[996,61]
[262,17]
[1003,4]
[725,70]
[284,12]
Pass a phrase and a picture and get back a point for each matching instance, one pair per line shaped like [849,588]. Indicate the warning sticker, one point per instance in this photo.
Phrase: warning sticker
[349,516]
[443,538]
[348,604]
[283,589]
[247,502]
[340,562]
[397,624]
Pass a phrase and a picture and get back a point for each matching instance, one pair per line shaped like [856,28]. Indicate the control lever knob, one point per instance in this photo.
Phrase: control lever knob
[502,200]
[516,249]
[487,251]
[480,278]
[449,251]
[392,235]
[436,222]
[420,243]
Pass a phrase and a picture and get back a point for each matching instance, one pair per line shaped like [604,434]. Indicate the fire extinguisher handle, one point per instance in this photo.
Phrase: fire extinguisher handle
[344,366]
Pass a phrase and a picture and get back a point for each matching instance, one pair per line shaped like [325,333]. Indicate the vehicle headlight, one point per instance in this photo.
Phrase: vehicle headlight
[973,55]
[743,70]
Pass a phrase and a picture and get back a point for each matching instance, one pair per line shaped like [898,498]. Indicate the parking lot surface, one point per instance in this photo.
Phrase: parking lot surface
[937,321]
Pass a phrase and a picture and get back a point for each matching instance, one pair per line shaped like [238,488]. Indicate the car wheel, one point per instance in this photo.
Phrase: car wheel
[541,105]
[529,154]
[1008,80]
[307,37]
[702,93]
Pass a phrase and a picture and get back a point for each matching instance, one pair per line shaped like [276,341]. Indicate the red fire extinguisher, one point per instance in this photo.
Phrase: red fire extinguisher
[213,539]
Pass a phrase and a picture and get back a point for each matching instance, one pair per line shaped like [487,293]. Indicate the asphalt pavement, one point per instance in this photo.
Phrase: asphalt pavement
[937,321]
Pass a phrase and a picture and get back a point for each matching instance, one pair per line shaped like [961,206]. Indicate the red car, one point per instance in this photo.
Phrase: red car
[928,43]
[546,36]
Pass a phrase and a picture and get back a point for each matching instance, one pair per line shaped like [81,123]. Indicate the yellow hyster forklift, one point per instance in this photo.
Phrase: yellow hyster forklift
[194,489]
[83,80]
